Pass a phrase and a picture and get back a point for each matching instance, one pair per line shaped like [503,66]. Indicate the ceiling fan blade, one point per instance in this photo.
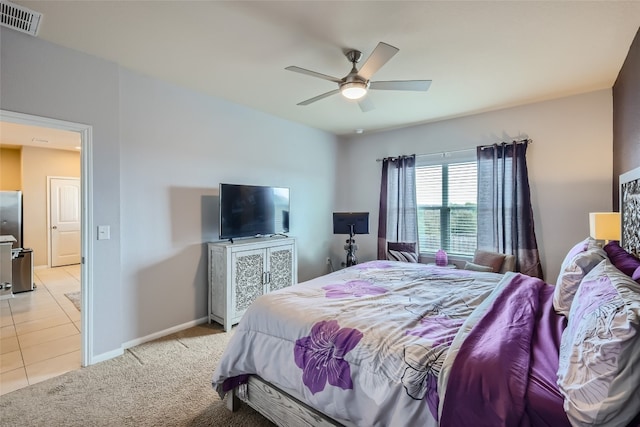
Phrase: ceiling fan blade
[380,56]
[319,97]
[366,104]
[313,74]
[418,85]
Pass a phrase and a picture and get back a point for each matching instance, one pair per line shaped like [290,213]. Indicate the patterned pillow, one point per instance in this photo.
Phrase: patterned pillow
[402,246]
[623,260]
[402,256]
[402,251]
[578,262]
[600,350]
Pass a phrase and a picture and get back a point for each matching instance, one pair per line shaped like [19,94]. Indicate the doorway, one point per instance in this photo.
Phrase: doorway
[85,216]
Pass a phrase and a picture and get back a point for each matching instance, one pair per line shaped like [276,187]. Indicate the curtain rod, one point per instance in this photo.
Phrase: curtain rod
[445,153]
[520,141]
[437,153]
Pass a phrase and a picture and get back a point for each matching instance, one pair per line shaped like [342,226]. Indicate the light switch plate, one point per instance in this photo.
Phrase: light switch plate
[104,232]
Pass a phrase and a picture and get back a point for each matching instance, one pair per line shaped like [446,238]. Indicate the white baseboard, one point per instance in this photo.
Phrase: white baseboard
[106,356]
[163,333]
[120,351]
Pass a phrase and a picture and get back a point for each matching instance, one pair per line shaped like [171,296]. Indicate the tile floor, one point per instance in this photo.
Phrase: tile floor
[40,330]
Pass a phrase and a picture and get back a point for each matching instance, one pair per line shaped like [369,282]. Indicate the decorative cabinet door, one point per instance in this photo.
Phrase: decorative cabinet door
[247,277]
[280,267]
[241,272]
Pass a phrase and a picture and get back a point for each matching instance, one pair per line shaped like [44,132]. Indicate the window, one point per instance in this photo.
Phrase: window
[446,194]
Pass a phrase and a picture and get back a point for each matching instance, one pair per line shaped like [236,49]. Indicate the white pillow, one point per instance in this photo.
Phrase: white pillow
[579,261]
[598,371]
[477,267]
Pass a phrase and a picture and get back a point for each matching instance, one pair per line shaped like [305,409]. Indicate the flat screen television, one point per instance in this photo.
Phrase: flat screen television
[253,210]
[351,222]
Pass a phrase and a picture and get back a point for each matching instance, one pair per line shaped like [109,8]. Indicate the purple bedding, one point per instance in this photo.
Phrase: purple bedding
[544,401]
[505,369]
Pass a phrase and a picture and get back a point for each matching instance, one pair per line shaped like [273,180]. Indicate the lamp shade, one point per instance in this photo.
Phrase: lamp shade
[604,225]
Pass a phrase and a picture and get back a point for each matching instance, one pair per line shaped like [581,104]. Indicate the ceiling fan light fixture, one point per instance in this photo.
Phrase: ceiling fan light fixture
[353,90]
[355,85]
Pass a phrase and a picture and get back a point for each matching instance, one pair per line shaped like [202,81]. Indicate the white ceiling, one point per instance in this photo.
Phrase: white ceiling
[481,55]
[15,134]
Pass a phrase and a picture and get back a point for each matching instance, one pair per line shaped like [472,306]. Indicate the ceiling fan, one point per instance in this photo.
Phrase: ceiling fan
[356,84]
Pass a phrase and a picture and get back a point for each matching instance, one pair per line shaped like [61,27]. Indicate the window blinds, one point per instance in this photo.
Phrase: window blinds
[447,207]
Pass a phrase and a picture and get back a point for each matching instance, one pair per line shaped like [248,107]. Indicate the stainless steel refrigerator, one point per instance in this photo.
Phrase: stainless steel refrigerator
[11,224]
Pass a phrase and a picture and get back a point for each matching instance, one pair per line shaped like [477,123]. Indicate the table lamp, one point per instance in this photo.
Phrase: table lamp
[604,226]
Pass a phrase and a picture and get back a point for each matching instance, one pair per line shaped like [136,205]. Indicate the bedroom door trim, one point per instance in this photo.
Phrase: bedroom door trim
[86,183]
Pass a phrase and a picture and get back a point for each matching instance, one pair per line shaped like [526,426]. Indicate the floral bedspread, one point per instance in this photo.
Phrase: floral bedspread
[364,344]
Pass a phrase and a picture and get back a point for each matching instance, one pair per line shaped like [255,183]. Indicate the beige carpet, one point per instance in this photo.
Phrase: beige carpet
[166,382]
[74,297]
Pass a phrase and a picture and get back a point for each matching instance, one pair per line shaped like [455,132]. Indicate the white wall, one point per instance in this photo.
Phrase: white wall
[43,79]
[569,162]
[176,147]
[159,153]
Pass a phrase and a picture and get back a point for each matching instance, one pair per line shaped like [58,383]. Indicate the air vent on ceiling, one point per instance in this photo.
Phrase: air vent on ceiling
[19,18]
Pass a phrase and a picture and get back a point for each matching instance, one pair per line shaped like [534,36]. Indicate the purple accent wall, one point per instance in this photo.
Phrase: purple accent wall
[626,117]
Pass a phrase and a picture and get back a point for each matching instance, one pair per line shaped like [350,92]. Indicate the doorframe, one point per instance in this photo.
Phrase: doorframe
[86,206]
[49,234]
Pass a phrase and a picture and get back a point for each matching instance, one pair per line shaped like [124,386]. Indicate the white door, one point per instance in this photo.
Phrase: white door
[65,221]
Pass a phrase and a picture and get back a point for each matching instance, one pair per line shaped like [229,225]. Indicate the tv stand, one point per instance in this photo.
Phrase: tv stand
[241,272]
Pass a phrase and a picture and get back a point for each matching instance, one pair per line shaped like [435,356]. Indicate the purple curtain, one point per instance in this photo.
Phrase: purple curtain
[398,215]
[505,216]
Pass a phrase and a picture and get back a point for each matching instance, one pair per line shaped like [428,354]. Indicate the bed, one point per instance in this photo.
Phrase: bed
[393,343]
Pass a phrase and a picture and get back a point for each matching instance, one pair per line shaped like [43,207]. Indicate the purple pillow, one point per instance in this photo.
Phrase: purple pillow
[623,260]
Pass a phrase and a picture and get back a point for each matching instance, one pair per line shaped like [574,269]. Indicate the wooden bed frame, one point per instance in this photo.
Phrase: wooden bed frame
[276,405]
[287,411]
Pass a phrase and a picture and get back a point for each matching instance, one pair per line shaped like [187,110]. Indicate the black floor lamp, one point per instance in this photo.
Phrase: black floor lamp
[351,223]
